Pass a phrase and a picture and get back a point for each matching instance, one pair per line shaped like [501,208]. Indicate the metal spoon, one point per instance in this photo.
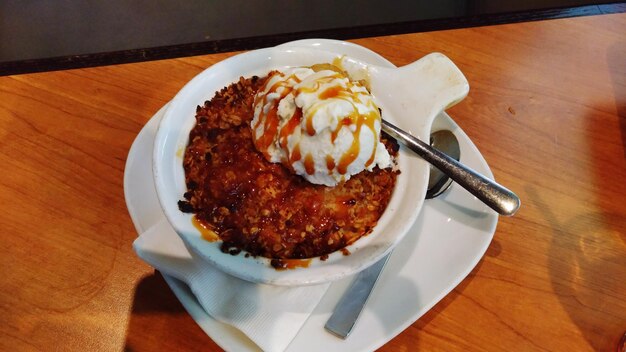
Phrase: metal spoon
[423,89]
[488,191]
[446,142]
[354,299]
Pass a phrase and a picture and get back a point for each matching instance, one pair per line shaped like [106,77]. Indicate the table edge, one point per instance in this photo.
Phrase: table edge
[250,43]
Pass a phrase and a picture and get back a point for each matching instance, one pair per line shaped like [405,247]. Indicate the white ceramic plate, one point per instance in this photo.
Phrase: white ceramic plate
[441,248]
[445,243]
[172,138]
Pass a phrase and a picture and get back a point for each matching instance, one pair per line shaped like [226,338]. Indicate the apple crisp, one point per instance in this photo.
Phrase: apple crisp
[261,207]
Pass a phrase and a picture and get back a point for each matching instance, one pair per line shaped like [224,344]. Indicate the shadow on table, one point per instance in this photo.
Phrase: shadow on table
[584,252]
[159,322]
[587,253]
[616,61]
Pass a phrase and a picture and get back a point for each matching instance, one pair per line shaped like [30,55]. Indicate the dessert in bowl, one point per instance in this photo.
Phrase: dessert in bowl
[171,151]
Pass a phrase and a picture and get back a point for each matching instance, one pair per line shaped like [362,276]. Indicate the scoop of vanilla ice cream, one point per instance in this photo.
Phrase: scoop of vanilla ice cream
[321,125]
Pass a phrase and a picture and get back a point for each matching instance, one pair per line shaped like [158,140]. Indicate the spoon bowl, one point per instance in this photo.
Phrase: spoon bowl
[446,142]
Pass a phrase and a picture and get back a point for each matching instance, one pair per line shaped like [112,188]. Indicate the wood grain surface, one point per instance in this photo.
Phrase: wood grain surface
[547,108]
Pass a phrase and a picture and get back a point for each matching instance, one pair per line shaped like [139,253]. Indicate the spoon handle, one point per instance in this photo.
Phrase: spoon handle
[351,304]
[488,191]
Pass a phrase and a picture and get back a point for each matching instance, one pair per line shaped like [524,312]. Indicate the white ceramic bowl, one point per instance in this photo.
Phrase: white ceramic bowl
[172,138]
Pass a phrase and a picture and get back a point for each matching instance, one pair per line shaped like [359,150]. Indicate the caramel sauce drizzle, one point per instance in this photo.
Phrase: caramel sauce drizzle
[271,118]
[346,121]
[330,92]
[289,127]
[358,119]
[296,155]
[309,164]
[330,163]
[309,125]
[205,232]
[287,264]
[337,62]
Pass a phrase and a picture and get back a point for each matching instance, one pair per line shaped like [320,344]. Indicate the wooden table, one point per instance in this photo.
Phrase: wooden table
[547,108]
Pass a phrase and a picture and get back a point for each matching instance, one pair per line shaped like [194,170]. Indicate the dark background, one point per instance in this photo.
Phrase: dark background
[38,35]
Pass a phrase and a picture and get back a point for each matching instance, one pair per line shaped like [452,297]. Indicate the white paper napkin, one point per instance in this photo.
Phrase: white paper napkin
[271,316]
